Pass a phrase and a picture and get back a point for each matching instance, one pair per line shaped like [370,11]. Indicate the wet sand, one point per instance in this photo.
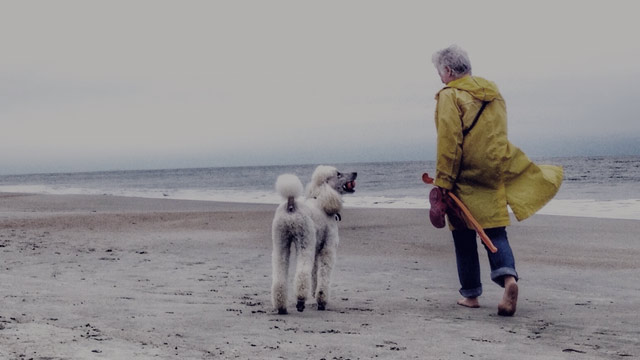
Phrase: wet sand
[103,277]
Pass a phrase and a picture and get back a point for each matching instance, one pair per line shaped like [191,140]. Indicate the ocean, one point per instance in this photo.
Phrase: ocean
[605,187]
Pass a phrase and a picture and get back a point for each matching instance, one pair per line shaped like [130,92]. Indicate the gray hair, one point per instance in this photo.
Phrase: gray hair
[453,57]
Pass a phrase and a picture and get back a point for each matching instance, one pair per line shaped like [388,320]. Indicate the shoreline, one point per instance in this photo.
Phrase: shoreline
[92,276]
[626,209]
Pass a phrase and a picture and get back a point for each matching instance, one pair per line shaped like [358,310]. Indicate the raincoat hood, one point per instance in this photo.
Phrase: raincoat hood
[480,88]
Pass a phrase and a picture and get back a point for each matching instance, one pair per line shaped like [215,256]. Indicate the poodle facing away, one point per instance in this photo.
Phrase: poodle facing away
[311,225]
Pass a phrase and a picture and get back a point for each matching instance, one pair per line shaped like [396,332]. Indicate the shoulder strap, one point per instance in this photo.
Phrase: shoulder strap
[466,131]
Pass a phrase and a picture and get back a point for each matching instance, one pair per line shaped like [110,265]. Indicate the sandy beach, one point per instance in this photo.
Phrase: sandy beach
[104,277]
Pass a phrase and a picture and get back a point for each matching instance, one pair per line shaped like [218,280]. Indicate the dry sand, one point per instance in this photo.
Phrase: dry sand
[102,277]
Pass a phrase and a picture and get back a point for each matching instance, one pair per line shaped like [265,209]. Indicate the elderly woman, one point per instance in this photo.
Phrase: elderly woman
[477,163]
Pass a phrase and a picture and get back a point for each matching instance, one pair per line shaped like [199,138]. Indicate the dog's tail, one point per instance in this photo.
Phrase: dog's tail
[289,187]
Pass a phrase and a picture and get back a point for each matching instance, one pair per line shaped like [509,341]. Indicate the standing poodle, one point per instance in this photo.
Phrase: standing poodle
[310,224]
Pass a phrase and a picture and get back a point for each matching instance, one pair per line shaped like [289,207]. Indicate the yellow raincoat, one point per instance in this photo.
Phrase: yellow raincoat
[482,167]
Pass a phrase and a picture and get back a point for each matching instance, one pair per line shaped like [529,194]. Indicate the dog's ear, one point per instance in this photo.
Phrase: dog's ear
[329,199]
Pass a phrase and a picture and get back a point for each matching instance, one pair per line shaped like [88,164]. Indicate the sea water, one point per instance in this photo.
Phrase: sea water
[606,187]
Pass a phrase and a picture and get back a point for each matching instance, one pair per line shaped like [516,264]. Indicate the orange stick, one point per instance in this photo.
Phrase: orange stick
[485,239]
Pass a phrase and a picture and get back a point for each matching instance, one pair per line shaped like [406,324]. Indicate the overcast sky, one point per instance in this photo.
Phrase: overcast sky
[98,85]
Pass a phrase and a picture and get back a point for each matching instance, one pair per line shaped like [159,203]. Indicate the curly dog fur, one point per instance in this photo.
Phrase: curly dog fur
[309,224]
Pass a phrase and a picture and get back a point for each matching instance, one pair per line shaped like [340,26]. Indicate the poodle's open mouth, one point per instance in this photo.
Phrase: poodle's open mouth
[349,186]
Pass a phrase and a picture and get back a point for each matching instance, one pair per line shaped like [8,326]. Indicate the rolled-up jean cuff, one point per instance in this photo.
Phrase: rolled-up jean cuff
[497,275]
[471,293]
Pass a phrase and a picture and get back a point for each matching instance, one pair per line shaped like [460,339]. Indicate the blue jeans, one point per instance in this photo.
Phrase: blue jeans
[502,262]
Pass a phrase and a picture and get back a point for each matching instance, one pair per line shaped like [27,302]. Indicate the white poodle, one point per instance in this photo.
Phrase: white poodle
[311,225]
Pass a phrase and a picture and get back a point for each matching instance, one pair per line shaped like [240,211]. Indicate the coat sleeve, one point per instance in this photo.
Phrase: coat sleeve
[449,129]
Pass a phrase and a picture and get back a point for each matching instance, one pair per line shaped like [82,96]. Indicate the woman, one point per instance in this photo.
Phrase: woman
[478,164]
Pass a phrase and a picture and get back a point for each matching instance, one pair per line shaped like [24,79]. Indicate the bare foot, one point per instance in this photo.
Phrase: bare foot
[471,302]
[507,306]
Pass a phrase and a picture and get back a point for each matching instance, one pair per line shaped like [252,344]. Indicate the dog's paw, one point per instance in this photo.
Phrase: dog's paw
[300,305]
[321,300]
[282,311]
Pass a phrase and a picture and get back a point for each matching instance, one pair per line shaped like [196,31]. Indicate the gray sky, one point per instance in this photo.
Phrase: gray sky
[91,85]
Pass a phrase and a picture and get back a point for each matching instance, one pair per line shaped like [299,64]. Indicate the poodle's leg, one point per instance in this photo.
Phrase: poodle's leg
[325,260]
[314,276]
[280,265]
[305,250]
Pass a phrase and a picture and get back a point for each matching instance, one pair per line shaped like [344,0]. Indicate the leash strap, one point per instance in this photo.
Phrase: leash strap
[466,131]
